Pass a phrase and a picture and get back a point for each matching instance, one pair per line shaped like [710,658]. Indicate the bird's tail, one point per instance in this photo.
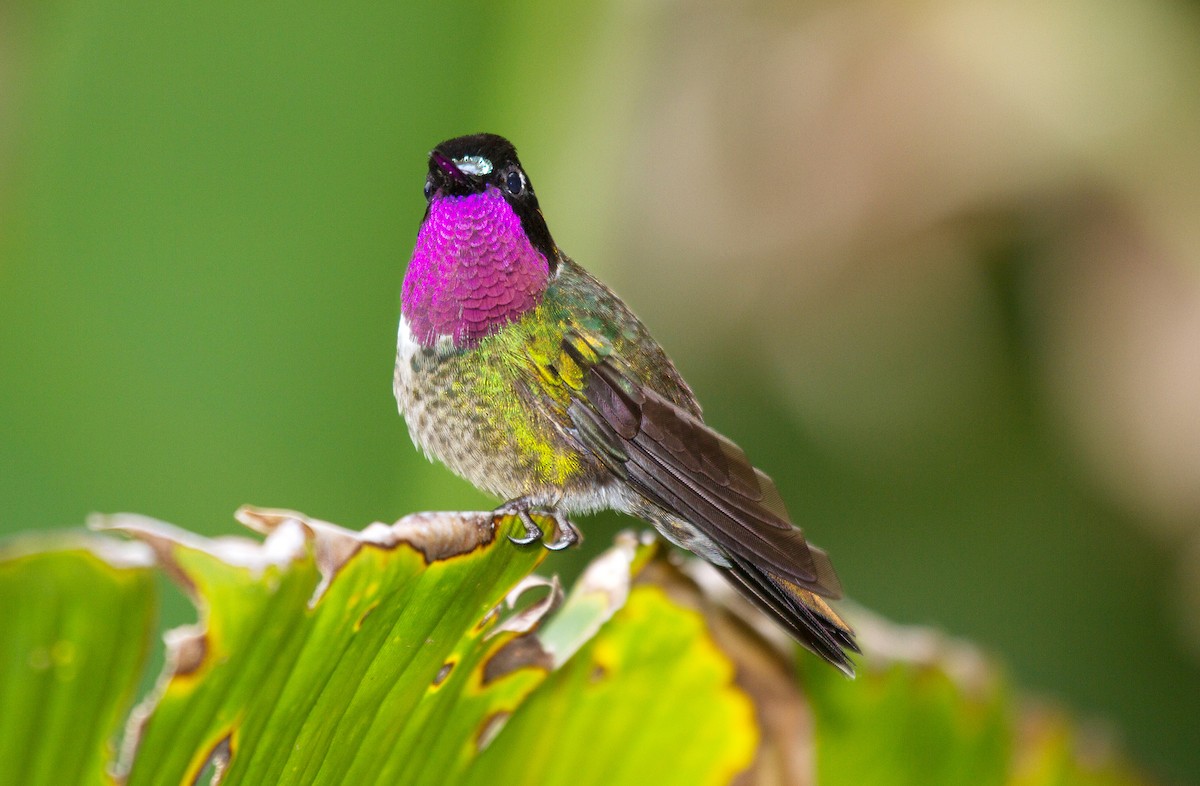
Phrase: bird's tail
[803,613]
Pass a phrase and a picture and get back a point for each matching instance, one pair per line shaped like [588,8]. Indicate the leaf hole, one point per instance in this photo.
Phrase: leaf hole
[216,763]
[491,727]
[443,673]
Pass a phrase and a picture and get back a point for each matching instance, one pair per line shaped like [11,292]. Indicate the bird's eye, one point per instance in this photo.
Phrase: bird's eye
[515,182]
[428,189]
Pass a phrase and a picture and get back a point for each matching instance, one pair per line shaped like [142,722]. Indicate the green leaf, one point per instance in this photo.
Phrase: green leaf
[76,617]
[929,709]
[428,652]
[331,662]
[408,654]
[649,700]
[907,724]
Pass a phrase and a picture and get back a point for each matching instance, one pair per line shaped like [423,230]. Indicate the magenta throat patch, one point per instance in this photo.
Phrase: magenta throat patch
[473,270]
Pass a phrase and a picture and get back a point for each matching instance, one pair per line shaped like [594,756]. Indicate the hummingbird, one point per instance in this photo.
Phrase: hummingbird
[532,380]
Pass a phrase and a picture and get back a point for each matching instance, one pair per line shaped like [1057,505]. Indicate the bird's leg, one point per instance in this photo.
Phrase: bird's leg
[568,533]
[519,507]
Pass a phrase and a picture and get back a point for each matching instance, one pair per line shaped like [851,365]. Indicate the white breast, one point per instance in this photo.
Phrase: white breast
[406,348]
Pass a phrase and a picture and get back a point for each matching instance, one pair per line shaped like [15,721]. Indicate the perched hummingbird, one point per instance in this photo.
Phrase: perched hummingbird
[532,380]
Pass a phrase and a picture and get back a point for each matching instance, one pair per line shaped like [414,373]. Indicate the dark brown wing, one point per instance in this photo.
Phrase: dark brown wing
[683,466]
[693,473]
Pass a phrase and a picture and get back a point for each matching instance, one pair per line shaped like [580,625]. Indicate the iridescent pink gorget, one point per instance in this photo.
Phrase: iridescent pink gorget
[473,270]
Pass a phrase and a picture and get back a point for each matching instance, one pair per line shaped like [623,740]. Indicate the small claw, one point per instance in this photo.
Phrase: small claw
[560,543]
[568,534]
[532,530]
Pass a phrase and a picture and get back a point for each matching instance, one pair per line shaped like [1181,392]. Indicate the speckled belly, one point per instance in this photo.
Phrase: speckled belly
[476,418]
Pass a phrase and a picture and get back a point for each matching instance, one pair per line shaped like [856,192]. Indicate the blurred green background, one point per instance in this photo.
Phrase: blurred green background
[936,266]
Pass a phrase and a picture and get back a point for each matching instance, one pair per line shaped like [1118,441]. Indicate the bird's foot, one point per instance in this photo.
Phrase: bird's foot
[568,533]
[520,508]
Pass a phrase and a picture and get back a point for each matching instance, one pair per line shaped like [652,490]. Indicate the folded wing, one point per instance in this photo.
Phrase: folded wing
[684,467]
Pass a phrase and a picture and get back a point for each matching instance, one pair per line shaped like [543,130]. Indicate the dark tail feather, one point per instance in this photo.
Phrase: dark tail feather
[807,617]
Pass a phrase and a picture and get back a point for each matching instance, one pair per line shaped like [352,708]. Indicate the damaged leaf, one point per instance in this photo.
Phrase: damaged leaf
[649,699]
[925,708]
[428,652]
[323,655]
[422,652]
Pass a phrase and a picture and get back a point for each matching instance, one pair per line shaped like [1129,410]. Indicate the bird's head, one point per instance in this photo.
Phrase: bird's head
[483,256]
[485,166]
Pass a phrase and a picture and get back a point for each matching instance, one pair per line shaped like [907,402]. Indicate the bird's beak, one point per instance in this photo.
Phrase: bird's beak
[448,167]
